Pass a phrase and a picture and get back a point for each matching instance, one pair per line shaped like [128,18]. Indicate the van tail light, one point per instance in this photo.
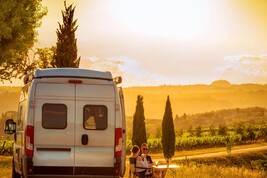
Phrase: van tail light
[118,142]
[29,137]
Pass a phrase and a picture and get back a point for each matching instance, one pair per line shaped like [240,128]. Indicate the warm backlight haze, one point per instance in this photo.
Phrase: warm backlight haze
[156,42]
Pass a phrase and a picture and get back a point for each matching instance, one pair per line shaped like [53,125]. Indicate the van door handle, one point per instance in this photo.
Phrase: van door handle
[84,139]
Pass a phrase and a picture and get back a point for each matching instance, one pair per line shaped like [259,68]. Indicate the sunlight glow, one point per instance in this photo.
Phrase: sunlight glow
[183,19]
[167,42]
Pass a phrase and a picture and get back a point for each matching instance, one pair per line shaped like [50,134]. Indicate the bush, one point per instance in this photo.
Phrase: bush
[6,147]
[259,164]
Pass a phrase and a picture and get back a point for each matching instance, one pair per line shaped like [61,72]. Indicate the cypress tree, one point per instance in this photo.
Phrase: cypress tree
[66,47]
[139,127]
[168,134]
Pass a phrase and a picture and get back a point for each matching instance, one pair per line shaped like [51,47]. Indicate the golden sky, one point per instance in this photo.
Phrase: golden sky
[155,42]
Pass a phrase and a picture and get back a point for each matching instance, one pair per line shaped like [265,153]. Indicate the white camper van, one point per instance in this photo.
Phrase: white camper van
[71,123]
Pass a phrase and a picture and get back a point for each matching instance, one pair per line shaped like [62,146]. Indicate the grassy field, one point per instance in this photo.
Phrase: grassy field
[5,166]
[185,171]
[196,168]
[211,171]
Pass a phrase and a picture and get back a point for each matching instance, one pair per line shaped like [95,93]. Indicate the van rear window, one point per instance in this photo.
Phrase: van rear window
[95,117]
[54,116]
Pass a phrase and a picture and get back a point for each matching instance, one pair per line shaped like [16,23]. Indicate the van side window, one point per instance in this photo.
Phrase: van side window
[54,116]
[19,119]
[95,117]
[21,115]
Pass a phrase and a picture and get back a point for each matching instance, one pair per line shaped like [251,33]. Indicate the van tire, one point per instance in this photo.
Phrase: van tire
[14,173]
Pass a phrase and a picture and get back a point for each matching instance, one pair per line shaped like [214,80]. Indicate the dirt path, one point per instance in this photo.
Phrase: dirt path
[220,153]
[223,153]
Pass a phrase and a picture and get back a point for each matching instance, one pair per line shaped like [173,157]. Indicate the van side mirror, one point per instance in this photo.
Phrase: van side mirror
[10,126]
[118,80]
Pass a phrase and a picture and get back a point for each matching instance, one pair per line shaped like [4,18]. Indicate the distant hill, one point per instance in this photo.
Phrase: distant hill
[222,83]
[230,117]
[192,99]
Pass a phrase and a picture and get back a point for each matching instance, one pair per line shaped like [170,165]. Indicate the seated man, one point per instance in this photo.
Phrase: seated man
[144,150]
[144,153]
[138,164]
[154,173]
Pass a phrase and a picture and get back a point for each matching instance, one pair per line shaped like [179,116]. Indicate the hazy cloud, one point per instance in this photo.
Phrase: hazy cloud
[130,70]
[244,69]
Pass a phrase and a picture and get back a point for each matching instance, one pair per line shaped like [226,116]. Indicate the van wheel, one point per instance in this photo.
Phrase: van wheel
[14,173]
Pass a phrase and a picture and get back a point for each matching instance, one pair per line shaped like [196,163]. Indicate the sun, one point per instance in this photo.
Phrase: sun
[183,19]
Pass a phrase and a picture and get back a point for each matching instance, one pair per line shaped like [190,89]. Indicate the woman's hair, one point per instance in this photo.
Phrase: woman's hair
[135,149]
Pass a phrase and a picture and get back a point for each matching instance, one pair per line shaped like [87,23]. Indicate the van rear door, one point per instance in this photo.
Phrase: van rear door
[94,129]
[54,120]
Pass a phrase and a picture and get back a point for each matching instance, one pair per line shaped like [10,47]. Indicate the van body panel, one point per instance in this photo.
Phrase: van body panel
[123,122]
[86,91]
[55,91]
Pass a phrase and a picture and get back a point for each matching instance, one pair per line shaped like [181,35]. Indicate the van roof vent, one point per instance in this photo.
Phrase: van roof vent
[67,72]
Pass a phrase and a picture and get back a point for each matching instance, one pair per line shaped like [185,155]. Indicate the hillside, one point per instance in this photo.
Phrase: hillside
[192,99]
[229,117]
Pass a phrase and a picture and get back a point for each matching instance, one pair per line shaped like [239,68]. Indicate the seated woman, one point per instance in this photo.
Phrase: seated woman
[138,164]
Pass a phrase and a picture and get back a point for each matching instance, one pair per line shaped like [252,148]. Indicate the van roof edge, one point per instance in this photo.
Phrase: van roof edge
[67,72]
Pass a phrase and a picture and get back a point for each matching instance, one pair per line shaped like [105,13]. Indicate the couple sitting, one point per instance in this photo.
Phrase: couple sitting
[140,163]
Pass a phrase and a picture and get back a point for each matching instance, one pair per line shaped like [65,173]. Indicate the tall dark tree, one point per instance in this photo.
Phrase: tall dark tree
[168,133]
[139,127]
[18,22]
[66,47]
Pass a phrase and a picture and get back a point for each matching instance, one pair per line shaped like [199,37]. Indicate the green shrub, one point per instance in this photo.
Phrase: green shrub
[6,147]
[259,164]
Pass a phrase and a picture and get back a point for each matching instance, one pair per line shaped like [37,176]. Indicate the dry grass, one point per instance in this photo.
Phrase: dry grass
[209,171]
[5,166]
[212,171]
[202,171]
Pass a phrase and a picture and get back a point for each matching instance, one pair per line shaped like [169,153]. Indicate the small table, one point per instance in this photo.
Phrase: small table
[161,170]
